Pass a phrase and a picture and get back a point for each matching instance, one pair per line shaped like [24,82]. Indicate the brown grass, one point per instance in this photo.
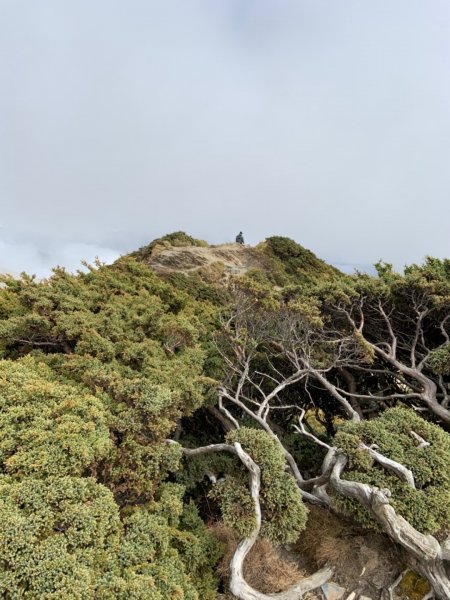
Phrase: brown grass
[265,568]
[358,556]
[362,560]
[323,539]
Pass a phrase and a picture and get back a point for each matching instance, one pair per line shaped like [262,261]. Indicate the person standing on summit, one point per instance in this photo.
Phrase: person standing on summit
[240,238]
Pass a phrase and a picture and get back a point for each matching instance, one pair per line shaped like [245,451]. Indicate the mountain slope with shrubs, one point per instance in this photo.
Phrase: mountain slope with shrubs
[149,405]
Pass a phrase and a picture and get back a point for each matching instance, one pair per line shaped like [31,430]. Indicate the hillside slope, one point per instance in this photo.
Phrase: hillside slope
[236,259]
[282,260]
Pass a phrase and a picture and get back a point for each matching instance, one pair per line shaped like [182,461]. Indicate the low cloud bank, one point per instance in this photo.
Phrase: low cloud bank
[38,257]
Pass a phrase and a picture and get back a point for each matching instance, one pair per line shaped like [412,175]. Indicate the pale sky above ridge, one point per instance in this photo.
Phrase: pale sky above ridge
[325,121]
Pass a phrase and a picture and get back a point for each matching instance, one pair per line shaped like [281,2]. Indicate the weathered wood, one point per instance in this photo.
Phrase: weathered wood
[424,553]
[238,585]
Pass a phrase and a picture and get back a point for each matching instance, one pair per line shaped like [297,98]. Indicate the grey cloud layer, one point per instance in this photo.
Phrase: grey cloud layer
[327,122]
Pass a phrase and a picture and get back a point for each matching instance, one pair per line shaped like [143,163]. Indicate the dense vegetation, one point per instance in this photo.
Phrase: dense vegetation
[97,370]
[136,409]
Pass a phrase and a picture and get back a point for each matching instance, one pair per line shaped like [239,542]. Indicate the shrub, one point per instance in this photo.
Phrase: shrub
[427,507]
[284,514]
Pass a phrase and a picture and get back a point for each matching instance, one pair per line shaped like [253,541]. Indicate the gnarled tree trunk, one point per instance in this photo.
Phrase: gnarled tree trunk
[238,585]
[424,553]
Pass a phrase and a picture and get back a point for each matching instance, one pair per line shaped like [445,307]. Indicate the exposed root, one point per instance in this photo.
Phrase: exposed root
[396,583]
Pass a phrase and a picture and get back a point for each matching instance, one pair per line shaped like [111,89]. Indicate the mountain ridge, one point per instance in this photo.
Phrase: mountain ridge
[280,259]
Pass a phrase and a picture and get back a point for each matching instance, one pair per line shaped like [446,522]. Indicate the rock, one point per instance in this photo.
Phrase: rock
[378,579]
[364,598]
[351,596]
[332,591]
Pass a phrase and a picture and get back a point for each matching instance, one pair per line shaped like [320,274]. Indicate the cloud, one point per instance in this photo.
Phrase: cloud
[39,256]
[327,122]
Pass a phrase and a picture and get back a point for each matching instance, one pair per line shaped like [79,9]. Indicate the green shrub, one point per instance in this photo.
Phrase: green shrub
[297,263]
[284,514]
[427,507]
[97,370]
[177,239]
[48,428]
[56,536]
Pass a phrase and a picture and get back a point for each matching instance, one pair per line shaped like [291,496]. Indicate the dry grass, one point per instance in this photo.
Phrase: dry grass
[363,560]
[359,557]
[265,568]
[323,540]
[226,258]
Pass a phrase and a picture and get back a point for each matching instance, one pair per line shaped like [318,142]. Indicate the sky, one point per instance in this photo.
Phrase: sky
[324,121]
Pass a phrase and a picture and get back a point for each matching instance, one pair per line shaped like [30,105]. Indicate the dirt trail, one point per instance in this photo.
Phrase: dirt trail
[235,258]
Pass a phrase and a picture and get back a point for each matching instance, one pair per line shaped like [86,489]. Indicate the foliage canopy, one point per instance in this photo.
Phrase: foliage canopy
[99,369]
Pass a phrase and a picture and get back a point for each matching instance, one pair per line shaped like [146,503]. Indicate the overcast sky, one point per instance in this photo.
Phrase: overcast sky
[325,121]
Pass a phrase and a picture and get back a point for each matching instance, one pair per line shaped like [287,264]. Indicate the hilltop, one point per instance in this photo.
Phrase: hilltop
[234,258]
[279,259]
